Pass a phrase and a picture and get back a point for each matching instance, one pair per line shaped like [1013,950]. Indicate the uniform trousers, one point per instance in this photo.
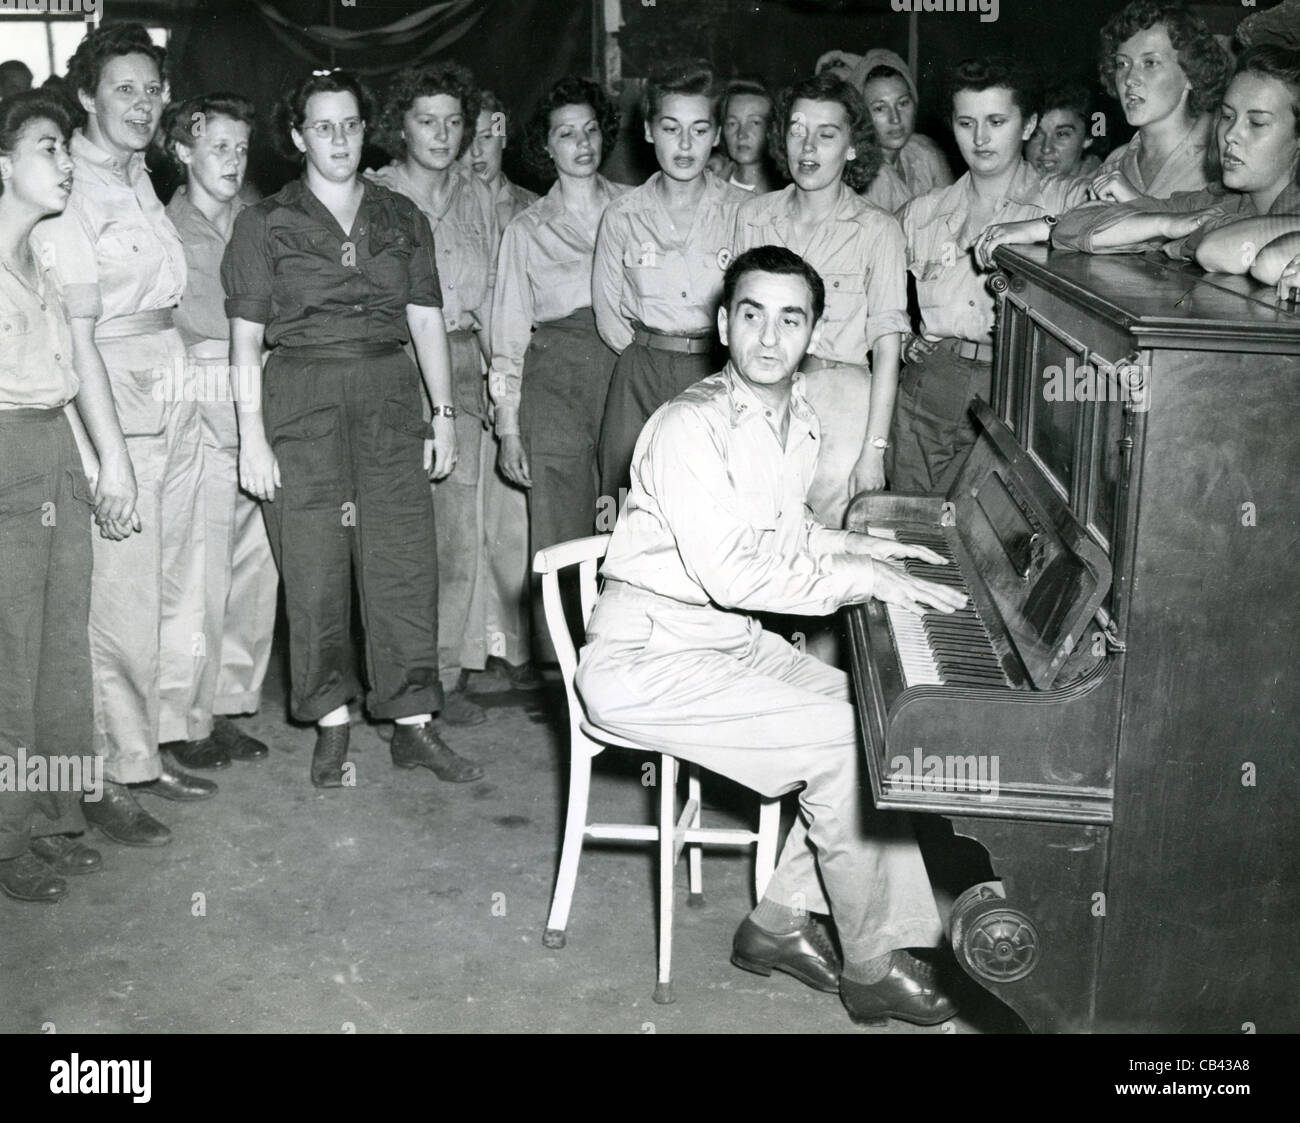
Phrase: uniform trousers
[713,687]
[45,556]
[932,426]
[242,582]
[482,535]
[565,381]
[644,378]
[345,424]
[148,597]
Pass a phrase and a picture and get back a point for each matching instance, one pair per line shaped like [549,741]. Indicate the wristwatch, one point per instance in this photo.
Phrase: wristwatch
[880,443]
[444,411]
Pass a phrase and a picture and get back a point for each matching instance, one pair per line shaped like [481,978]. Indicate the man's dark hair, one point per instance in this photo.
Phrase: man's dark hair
[1205,63]
[774,259]
[995,72]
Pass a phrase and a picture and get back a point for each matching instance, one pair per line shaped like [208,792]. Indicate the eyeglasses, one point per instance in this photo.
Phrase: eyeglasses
[325,129]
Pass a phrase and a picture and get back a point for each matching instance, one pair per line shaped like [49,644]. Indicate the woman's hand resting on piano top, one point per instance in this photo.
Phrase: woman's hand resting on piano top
[1029,232]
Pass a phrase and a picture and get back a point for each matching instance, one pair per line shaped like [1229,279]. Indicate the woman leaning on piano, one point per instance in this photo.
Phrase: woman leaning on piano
[1247,223]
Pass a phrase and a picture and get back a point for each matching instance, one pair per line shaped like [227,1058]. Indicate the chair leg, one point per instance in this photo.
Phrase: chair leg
[695,899]
[575,826]
[769,825]
[667,829]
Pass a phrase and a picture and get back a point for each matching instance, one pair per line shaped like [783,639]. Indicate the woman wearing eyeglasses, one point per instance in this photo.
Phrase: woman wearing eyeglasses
[334,274]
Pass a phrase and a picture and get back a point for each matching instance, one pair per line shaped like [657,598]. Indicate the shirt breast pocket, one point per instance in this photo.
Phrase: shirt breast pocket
[932,270]
[296,252]
[15,343]
[845,295]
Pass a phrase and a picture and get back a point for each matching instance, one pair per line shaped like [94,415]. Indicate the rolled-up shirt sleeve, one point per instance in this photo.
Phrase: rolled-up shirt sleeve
[246,269]
[1078,229]
[512,325]
[66,245]
[887,283]
[607,281]
[719,545]
[425,288]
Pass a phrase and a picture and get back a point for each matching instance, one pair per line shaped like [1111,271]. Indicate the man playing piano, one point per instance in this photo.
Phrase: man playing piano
[714,529]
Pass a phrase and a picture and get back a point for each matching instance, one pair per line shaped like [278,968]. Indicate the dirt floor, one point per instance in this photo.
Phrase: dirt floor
[400,905]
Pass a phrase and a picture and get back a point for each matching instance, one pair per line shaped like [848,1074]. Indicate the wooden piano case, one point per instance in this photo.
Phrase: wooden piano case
[1163,407]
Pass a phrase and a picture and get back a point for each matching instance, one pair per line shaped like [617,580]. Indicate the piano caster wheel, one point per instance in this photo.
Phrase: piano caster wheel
[991,940]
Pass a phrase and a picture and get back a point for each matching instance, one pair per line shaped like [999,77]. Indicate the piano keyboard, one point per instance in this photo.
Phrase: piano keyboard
[940,649]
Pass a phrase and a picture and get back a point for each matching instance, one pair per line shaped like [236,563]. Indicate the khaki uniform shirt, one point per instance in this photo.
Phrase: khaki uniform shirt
[36,370]
[716,511]
[543,273]
[114,249]
[667,280]
[954,298]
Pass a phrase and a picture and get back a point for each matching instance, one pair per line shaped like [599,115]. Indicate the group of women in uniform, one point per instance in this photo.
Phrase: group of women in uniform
[410,379]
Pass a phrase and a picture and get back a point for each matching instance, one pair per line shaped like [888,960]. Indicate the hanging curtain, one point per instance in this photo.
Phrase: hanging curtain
[378,50]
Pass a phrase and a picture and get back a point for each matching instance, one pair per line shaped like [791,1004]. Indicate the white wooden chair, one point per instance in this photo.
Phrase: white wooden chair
[674,831]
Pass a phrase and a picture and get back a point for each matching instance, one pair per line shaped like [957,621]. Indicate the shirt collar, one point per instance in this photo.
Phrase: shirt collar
[1288,202]
[553,200]
[777,207]
[190,214]
[82,148]
[745,404]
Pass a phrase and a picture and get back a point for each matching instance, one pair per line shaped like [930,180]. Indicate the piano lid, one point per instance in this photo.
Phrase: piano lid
[1164,303]
[1029,555]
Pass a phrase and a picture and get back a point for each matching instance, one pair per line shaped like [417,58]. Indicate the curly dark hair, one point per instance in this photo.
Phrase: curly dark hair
[182,120]
[94,51]
[694,77]
[291,111]
[568,91]
[1205,63]
[448,78]
[17,112]
[995,72]
[827,86]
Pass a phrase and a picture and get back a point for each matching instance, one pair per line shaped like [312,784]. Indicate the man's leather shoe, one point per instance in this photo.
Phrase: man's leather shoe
[178,786]
[417,746]
[238,744]
[910,992]
[807,954]
[27,878]
[207,753]
[66,855]
[328,755]
[123,820]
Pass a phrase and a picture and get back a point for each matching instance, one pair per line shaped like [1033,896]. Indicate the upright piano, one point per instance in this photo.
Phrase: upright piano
[1116,719]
